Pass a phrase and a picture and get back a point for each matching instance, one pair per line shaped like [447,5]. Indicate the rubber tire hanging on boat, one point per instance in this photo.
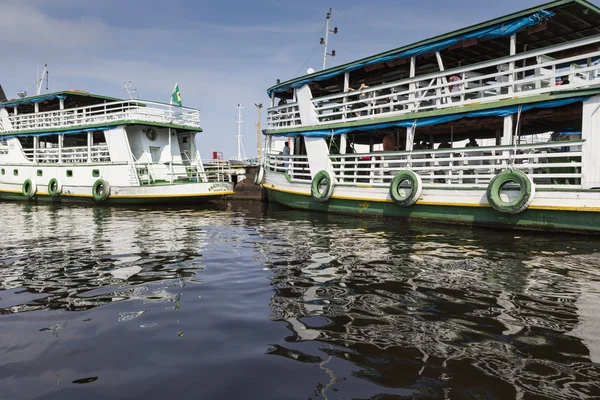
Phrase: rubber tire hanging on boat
[325,177]
[54,187]
[29,188]
[523,200]
[260,174]
[416,187]
[100,190]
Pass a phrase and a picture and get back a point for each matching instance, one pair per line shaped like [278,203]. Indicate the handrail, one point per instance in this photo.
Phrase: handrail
[106,113]
[469,166]
[439,93]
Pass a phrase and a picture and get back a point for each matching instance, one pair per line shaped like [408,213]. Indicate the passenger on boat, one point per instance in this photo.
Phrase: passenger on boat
[286,152]
[361,96]
[473,143]
[389,142]
[444,145]
[454,87]
[443,161]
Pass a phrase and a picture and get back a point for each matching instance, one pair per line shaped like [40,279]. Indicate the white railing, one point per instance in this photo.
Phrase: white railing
[107,113]
[149,173]
[528,74]
[295,166]
[69,155]
[284,116]
[548,164]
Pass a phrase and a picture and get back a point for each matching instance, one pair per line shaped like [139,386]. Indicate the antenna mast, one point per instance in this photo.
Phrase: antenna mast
[326,40]
[41,79]
[258,106]
[127,87]
[241,154]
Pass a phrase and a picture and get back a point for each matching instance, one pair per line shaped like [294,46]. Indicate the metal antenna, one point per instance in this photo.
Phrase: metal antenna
[258,106]
[241,154]
[127,86]
[40,80]
[326,40]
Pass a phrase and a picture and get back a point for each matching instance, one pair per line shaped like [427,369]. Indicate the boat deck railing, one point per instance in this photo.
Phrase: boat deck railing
[106,113]
[69,155]
[549,164]
[522,75]
[152,173]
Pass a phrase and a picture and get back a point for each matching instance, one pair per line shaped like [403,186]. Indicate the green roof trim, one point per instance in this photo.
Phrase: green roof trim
[547,6]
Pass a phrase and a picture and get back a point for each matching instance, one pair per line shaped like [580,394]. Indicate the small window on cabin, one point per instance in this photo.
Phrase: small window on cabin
[96,173]
[15,172]
[40,172]
[155,154]
[75,140]
[69,173]
[184,139]
[3,171]
[98,138]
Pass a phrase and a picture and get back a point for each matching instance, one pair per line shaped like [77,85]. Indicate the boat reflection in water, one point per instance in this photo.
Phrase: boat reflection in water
[253,302]
[426,310]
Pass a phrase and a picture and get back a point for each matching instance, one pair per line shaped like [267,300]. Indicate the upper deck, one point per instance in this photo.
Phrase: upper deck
[74,109]
[523,57]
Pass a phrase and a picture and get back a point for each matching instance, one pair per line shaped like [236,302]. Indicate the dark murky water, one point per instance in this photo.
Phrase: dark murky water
[243,302]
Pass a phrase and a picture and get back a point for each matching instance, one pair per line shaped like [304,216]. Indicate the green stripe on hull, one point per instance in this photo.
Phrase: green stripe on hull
[113,201]
[565,221]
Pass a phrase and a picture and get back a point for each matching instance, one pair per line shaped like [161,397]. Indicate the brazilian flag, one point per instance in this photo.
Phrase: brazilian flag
[176,96]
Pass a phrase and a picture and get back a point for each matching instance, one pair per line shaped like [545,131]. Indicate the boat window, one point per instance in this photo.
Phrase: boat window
[96,173]
[76,140]
[299,146]
[40,172]
[3,172]
[69,173]
[155,154]
[48,142]
[26,142]
[98,138]
[15,172]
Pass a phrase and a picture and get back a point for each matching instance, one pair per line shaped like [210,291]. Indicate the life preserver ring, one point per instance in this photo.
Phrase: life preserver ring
[100,190]
[322,186]
[54,187]
[29,188]
[523,200]
[402,195]
[260,174]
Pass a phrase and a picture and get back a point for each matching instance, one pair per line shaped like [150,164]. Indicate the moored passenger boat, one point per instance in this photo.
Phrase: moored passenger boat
[73,146]
[495,124]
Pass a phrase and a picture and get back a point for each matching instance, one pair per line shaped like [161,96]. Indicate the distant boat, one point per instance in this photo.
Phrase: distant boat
[449,129]
[73,146]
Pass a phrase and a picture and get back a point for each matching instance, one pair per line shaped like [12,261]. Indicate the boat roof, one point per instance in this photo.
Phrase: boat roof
[78,97]
[572,19]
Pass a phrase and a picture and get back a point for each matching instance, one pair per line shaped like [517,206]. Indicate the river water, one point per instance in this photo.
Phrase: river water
[240,301]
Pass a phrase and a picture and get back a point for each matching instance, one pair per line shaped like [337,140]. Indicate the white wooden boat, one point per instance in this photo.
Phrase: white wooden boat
[81,147]
[387,135]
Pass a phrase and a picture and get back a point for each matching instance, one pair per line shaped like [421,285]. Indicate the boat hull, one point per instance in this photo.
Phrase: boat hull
[476,215]
[165,194]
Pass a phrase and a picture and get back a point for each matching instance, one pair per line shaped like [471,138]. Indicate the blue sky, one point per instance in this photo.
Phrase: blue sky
[220,52]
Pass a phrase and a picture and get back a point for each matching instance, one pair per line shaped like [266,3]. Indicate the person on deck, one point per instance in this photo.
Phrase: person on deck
[286,152]
[389,142]
[361,96]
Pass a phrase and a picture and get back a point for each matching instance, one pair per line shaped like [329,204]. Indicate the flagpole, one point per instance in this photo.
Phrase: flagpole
[170,146]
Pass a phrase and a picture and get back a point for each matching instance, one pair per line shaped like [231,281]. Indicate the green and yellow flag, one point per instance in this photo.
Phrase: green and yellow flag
[176,96]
